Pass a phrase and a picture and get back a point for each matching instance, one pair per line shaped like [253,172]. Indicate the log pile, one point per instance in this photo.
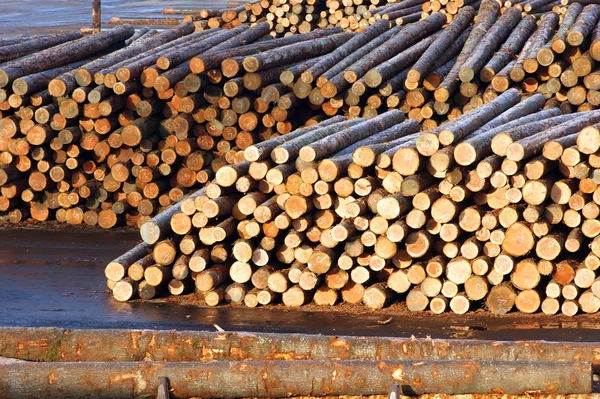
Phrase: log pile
[374,212]
[112,140]
[435,163]
[435,72]
[303,16]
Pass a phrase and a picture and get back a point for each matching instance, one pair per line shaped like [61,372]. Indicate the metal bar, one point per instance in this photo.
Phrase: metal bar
[96,16]
[280,378]
[54,344]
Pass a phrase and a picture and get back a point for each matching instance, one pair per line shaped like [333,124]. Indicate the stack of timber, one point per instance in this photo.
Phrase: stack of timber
[110,129]
[115,137]
[302,16]
[435,72]
[495,209]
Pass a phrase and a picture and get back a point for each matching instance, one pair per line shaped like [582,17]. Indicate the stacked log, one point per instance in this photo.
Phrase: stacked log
[112,140]
[495,209]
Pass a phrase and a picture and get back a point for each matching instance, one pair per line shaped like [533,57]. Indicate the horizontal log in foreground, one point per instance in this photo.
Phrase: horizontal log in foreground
[115,345]
[280,378]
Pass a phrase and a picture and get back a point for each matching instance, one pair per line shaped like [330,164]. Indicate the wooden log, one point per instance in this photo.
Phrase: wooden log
[62,54]
[528,147]
[478,146]
[584,24]
[488,12]
[406,37]
[536,41]
[294,52]
[497,34]
[387,69]
[426,62]
[211,59]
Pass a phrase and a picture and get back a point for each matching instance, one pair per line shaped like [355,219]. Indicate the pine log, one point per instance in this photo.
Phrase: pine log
[426,62]
[211,59]
[536,41]
[488,12]
[62,54]
[406,37]
[343,51]
[478,146]
[584,24]
[497,34]
[294,52]
[531,146]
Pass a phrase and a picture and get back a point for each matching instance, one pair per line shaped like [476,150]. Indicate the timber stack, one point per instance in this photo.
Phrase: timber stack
[128,123]
[303,16]
[497,209]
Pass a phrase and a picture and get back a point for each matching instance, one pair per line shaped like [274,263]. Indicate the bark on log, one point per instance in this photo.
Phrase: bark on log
[62,54]
[530,146]
[425,64]
[478,146]
[584,25]
[406,37]
[227,380]
[211,59]
[488,45]
[536,41]
[510,49]
[483,22]
[294,52]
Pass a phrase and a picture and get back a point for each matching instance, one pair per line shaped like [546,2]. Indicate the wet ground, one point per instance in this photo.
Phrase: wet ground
[55,278]
[42,16]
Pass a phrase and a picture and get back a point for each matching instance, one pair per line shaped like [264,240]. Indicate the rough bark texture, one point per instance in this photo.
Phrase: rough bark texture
[450,34]
[294,52]
[227,378]
[212,59]
[62,54]
[406,37]
[497,34]
[483,22]
[536,41]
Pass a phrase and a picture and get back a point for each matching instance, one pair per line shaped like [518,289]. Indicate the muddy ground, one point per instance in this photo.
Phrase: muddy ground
[34,16]
[52,275]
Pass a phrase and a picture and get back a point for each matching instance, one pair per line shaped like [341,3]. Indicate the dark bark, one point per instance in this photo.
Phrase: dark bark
[478,146]
[294,52]
[510,49]
[212,59]
[261,151]
[159,226]
[168,79]
[289,150]
[150,56]
[536,41]
[235,38]
[138,34]
[403,60]
[27,47]
[38,81]
[483,22]
[484,51]
[405,38]
[85,74]
[449,35]
[533,145]
[456,130]
[62,54]
[343,51]
[334,143]
[584,25]
[559,41]
[337,71]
